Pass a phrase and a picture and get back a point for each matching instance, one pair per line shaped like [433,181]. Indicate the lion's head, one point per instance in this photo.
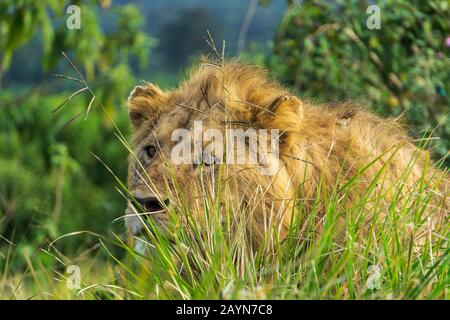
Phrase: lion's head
[231,116]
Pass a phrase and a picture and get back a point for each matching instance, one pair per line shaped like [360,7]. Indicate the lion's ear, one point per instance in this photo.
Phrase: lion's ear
[144,102]
[284,113]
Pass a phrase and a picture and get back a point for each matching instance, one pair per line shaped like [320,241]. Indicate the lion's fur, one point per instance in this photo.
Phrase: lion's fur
[322,146]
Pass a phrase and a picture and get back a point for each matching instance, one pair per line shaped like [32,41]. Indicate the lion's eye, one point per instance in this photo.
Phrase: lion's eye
[150,151]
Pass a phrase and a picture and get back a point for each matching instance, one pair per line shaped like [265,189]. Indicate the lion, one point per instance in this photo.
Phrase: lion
[321,150]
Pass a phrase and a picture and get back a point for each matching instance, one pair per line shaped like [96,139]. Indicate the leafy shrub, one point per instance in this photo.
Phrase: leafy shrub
[51,184]
[326,51]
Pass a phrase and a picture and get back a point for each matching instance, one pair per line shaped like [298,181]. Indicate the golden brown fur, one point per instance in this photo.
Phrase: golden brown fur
[322,148]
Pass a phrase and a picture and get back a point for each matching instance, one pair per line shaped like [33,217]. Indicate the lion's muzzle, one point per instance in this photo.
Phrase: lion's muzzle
[142,205]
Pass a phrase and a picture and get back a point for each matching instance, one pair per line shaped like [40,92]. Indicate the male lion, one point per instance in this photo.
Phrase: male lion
[322,150]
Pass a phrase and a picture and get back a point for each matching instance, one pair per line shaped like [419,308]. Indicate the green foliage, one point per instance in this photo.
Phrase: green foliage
[97,51]
[326,51]
[51,184]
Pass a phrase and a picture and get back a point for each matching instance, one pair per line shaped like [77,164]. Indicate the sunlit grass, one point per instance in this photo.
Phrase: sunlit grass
[217,259]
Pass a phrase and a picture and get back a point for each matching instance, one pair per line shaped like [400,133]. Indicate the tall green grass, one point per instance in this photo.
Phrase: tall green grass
[216,259]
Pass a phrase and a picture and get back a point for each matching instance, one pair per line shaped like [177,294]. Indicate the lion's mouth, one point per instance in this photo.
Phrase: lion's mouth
[149,205]
[139,211]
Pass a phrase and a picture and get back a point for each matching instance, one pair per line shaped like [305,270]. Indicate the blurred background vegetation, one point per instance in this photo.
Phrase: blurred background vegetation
[50,181]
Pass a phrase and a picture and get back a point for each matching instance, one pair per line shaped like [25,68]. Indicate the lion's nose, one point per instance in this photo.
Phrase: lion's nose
[149,204]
